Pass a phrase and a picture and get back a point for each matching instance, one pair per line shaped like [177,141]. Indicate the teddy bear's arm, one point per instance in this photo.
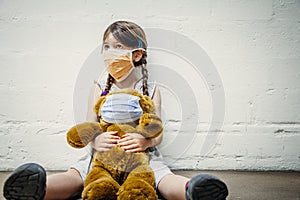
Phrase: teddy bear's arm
[150,125]
[98,104]
[81,134]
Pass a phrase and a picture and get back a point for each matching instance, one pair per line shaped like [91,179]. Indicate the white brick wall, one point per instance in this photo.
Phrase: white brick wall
[254,45]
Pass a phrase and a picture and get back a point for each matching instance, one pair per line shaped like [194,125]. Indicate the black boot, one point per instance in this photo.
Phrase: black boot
[206,187]
[26,182]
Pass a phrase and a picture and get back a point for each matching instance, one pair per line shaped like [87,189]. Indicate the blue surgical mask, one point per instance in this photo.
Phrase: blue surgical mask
[121,108]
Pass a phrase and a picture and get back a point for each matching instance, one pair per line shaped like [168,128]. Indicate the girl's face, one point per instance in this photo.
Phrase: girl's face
[112,43]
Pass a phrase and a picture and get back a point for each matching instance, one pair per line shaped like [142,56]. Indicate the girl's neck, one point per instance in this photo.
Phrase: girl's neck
[129,82]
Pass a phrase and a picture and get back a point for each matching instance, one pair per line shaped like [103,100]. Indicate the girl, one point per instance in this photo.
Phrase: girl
[124,53]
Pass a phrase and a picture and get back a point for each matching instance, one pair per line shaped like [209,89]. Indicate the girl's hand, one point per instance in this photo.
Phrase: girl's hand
[105,141]
[134,142]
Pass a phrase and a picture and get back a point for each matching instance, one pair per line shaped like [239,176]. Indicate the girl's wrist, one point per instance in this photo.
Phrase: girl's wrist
[151,142]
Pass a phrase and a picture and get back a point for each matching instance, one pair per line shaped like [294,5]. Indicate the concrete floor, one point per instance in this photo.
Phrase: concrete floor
[245,185]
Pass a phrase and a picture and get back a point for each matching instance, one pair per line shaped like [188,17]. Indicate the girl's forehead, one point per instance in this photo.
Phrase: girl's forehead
[110,39]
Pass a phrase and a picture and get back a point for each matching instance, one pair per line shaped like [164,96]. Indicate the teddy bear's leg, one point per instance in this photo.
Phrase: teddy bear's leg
[99,185]
[139,185]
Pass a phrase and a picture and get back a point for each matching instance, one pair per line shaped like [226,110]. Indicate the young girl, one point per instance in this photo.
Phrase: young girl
[124,53]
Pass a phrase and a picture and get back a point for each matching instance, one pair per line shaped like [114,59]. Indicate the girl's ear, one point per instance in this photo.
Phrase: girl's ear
[137,55]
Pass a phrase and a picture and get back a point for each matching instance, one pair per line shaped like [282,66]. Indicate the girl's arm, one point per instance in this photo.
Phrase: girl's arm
[157,101]
[93,97]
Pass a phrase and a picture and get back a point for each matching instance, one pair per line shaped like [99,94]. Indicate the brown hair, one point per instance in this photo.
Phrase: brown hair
[133,36]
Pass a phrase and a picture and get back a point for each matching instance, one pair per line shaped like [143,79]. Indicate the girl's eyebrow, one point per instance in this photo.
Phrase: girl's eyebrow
[113,42]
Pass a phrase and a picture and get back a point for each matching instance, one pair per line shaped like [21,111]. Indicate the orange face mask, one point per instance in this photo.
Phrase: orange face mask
[118,63]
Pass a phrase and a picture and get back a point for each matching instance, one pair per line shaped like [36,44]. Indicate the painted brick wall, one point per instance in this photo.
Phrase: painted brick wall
[253,45]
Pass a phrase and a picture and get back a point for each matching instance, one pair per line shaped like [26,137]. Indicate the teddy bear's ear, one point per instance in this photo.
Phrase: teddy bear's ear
[98,104]
[147,104]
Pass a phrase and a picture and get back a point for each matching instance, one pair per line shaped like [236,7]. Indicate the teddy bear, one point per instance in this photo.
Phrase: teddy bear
[117,174]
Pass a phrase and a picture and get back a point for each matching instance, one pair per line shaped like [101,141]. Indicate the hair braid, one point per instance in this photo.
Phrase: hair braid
[109,82]
[145,75]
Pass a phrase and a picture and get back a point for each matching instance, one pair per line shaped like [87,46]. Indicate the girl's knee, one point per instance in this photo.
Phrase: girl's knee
[73,172]
[75,175]
[172,186]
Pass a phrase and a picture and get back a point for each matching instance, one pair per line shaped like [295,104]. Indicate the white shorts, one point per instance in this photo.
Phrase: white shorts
[160,169]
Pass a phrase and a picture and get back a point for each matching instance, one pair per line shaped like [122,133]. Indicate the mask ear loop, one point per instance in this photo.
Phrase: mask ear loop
[131,54]
[140,47]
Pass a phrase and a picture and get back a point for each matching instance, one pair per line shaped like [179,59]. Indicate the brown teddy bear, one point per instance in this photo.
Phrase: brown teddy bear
[117,174]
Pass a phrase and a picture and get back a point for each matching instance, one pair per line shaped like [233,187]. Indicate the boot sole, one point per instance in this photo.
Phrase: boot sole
[206,187]
[27,182]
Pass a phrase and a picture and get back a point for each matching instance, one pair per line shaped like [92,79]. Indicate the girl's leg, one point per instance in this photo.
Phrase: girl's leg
[173,187]
[63,185]
[201,186]
[176,187]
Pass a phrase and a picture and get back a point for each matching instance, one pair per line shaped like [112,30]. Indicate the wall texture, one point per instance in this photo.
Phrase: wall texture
[253,45]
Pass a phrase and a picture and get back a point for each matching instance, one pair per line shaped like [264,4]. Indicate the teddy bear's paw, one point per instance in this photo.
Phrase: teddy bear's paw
[81,134]
[101,189]
[136,189]
[150,125]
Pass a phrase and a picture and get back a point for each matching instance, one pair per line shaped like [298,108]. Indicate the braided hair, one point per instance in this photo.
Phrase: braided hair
[131,35]
[109,82]
[144,74]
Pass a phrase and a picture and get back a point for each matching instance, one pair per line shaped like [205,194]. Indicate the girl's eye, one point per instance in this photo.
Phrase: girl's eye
[106,47]
[118,46]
